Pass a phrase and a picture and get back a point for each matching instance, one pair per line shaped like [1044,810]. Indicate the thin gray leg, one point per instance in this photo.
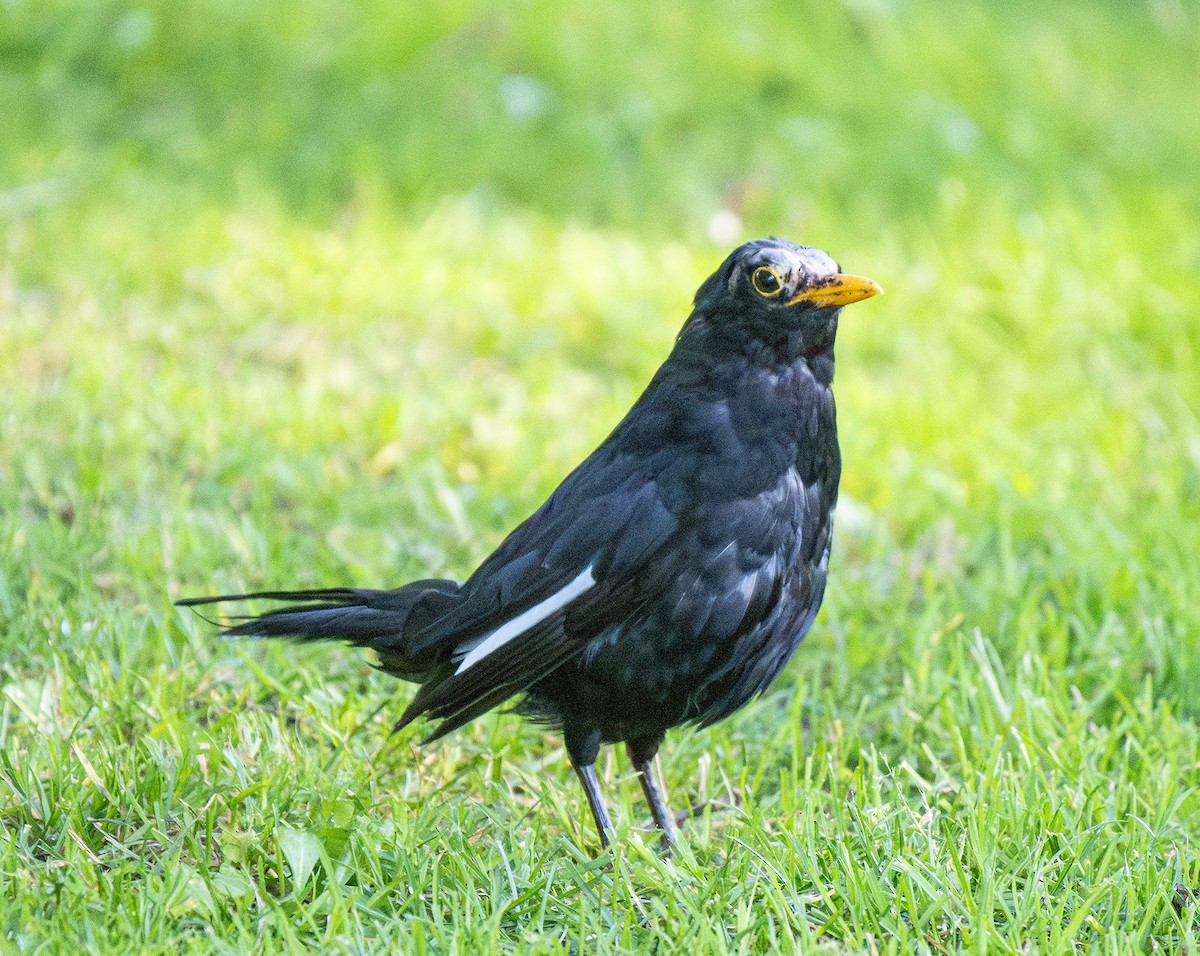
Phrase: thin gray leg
[642,752]
[583,747]
[591,786]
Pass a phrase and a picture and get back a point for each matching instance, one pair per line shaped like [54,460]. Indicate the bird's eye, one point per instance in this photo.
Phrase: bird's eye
[766,282]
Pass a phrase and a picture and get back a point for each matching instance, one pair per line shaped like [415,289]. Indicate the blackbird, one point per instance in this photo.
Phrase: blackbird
[671,575]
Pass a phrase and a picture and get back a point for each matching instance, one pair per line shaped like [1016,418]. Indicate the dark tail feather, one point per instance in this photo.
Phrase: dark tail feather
[376,619]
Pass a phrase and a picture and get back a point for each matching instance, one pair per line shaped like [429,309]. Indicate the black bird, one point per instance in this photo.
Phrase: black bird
[672,574]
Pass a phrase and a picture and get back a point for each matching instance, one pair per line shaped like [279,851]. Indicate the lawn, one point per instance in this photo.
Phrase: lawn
[336,293]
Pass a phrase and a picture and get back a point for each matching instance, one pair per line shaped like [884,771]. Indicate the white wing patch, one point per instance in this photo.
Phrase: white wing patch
[527,619]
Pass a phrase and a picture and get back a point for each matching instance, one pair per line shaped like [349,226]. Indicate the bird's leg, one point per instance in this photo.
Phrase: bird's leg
[641,753]
[583,750]
[591,786]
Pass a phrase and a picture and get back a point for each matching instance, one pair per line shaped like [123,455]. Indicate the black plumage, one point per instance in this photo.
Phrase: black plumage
[672,574]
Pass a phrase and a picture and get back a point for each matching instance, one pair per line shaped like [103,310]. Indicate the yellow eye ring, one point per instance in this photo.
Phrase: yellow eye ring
[766,282]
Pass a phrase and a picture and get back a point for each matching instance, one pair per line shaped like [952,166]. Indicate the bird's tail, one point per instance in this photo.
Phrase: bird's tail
[381,620]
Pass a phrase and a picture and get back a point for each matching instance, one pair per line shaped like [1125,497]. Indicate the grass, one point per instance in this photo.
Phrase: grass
[337,294]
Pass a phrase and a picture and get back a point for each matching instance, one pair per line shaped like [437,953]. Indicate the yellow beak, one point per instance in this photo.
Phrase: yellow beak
[839,289]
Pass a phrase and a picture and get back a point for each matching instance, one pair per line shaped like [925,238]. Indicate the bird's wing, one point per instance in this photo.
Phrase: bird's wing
[576,565]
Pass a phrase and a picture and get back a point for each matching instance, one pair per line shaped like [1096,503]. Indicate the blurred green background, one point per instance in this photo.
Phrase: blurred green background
[334,292]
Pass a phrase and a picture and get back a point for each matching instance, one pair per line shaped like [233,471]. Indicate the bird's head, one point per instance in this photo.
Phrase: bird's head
[774,291]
